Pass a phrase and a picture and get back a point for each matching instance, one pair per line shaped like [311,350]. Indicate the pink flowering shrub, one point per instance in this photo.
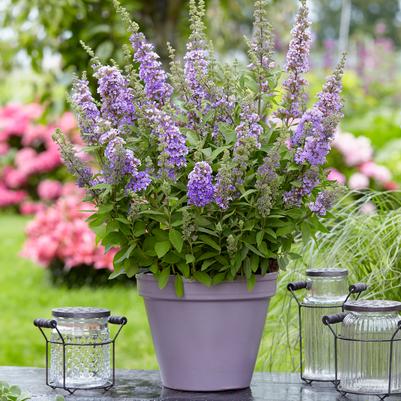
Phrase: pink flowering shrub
[60,233]
[30,163]
[353,164]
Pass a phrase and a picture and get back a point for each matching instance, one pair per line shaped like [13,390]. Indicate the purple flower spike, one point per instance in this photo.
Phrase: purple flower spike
[138,182]
[196,71]
[200,187]
[173,149]
[117,97]
[297,64]
[150,70]
[323,202]
[88,113]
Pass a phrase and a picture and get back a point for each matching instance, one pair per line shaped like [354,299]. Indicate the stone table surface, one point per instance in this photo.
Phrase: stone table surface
[137,385]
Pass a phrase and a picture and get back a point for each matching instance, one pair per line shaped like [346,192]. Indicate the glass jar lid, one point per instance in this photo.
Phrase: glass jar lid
[328,272]
[81,312]
[366,305]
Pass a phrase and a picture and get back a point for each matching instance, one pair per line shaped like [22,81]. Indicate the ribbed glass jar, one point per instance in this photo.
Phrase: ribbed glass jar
[87,364]
[364,363]
[327,290]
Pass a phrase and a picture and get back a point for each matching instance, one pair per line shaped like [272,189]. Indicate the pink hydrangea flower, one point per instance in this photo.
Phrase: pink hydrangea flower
[14,178]
[4,148]
[30,208]
[379,173]
[358,181]
[50,189]
[335,175]
[67,122]
[61,232]
[9,197]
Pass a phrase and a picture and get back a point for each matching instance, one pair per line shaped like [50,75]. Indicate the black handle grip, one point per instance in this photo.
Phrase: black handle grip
[45,323]
[297,285]
[121,320]
[358,288]
[333,319]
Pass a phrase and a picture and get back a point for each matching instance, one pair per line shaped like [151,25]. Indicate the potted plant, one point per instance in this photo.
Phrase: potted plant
[203,178]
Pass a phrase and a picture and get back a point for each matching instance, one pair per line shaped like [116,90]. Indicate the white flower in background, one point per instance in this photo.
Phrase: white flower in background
[356,150]
[358,181]
[368,208]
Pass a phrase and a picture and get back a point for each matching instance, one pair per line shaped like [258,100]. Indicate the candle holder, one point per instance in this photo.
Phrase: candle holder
[367,348]
[80,353]
[327,292]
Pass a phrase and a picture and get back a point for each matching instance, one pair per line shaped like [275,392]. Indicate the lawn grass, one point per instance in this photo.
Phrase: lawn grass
[25,294]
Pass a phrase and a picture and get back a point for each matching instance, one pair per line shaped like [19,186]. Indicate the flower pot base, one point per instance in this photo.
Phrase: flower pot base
[208,340]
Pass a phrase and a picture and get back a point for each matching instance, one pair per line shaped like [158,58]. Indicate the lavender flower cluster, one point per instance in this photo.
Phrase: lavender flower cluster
[200,186]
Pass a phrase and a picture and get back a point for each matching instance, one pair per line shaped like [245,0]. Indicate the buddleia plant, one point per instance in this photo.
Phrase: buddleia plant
[208,171]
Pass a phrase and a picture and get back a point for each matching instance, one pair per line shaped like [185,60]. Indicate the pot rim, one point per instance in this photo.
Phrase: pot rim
[236,290]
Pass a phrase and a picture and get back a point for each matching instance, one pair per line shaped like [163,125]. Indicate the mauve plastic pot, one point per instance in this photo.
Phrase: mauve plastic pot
[207,340]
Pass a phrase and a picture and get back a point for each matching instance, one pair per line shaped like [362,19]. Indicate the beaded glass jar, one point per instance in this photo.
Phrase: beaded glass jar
[87,357]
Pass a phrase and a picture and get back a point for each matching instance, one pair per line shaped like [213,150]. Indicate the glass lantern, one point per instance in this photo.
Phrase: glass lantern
[368,347]
[81,348]
[327,290]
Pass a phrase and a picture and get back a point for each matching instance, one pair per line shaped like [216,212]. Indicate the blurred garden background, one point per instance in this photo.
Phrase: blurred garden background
[48,254]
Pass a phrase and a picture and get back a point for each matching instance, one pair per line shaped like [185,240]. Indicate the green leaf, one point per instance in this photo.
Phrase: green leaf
[116,273]
[124,253]
[207,263]
[96,220]
[263,248]
[254,263]
[247,268]
[192,138]
[189,258]
[113,238]
[271,232]
[294,256]
[282,231]
[254,250]
[106,209]
[215,153]
[139,228]
[164,277]
[183,268]
[250,282]
[259,237]
[306,234]
[161,248]
[218,278]
[179,286]
[282,262]
[176,239]
[171,258]
[203,278]
[207,240]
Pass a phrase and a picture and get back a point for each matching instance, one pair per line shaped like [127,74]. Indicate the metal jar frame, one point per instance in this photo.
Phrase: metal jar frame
[52,324]
[338,318]
[357,289]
